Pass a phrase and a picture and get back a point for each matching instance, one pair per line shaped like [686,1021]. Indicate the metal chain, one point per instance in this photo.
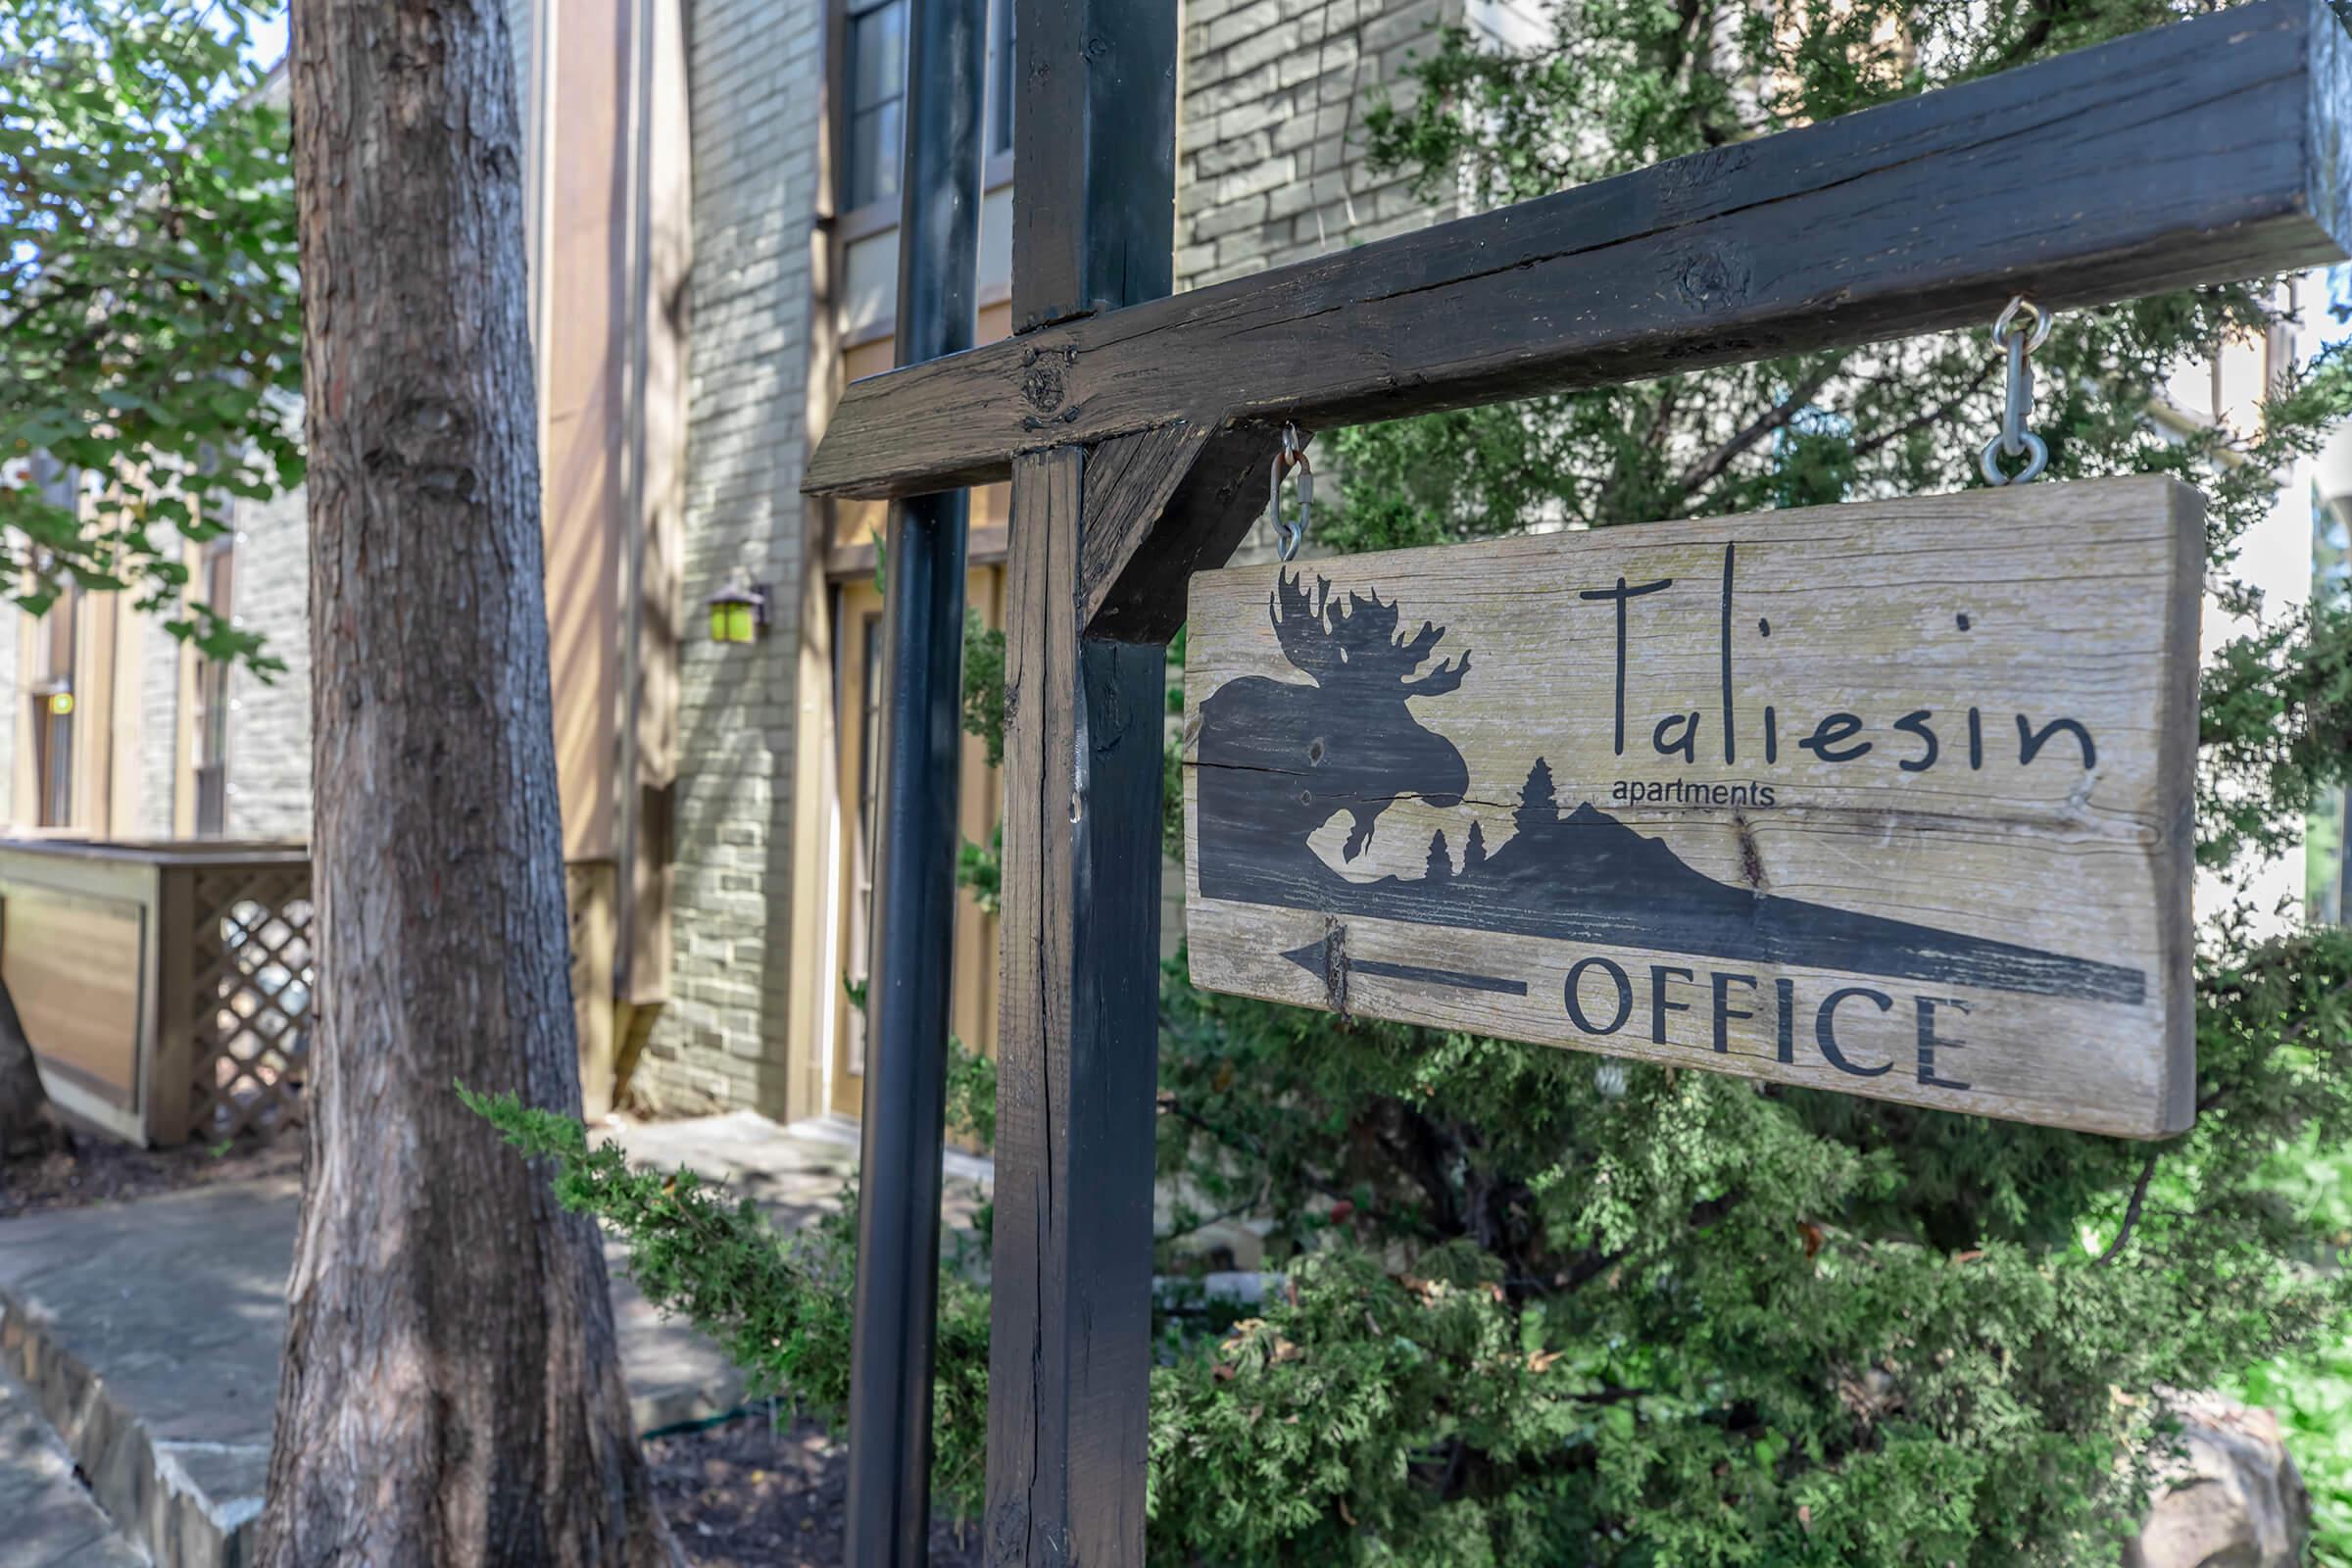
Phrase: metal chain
[1291,458]
[2018,341]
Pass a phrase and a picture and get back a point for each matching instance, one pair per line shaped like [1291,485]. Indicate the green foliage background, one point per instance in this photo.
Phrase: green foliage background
[150,330]
[1535,1313]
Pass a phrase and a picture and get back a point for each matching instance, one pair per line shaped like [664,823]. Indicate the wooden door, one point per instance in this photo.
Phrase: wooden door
[857,696]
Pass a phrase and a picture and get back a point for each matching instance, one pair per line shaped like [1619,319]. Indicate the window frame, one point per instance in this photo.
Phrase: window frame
[997,97]
[847,168]
[208,761]
[55,652]
[853,221]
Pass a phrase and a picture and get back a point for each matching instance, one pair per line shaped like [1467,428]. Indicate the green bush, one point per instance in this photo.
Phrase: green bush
[1742,1384]
[2312,1391]
[780,1307]
[2312,1395]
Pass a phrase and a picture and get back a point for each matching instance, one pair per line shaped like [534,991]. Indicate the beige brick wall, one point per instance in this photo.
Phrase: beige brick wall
[160,739]
[12,701]
[1270,143]
[756,74]
[1270,133]
[270,723]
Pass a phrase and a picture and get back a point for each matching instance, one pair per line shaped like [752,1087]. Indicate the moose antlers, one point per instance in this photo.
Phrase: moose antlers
[1354,641]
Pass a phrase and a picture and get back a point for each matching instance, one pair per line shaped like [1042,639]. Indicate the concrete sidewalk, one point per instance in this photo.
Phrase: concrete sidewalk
[148,1333]
[49,1520]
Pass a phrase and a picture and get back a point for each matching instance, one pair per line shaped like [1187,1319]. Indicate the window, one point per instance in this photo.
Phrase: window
[878,96]
[52,688]
[211,697]
[877,101]
[999,127]
[53,714]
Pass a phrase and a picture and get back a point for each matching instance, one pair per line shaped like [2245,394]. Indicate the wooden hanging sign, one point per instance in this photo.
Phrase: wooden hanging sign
[1891,797]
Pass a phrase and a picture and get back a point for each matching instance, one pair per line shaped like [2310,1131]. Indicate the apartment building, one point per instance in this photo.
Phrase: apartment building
[712,206]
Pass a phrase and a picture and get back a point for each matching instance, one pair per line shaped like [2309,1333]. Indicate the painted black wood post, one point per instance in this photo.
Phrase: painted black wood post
[1070,1352]
[1093,202]
[888,1503]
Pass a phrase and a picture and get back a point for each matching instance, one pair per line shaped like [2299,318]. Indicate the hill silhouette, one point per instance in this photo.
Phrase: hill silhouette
[1588,877]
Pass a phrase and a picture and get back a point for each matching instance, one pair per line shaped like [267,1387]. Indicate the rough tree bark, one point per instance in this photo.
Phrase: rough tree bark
[29,1124]
[451,1393]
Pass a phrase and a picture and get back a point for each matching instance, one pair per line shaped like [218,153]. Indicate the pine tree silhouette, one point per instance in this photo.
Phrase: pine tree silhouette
[1538,805]
[1441,863]
[1474,848]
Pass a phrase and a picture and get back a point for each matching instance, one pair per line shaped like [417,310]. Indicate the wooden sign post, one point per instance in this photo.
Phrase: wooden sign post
[1889,797]
[1136,430]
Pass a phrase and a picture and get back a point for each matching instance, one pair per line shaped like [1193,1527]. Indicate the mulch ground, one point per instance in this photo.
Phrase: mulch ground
[751,1494]
[100,1170]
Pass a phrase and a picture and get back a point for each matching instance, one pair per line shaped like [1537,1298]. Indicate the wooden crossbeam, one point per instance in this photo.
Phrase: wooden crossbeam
[2208,151]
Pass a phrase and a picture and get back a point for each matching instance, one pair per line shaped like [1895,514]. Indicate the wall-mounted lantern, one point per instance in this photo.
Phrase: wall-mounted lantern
[739,610]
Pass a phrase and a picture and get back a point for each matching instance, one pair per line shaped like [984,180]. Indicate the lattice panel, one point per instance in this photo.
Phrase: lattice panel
[254,984]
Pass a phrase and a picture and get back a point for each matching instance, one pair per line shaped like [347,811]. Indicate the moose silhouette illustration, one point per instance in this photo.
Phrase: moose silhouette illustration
[1280,760]
[1275,760]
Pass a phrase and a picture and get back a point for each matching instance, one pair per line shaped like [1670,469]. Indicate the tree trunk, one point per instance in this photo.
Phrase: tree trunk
[29,1124]
[451,1393]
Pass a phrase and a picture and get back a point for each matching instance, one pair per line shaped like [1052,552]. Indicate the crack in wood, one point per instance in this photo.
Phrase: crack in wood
[1335,966]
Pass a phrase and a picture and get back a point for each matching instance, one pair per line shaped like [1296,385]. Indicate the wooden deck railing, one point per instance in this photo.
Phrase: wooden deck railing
[166,988]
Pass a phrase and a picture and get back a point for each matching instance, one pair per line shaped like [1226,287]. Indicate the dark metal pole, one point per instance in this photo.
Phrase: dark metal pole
[914,905]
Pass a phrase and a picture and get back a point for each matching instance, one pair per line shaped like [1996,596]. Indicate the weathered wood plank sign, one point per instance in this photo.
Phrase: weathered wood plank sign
[1890,798]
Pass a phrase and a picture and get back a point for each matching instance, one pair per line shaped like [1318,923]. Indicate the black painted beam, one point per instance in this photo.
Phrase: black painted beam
[2208,151]
[1098,79]
[888,1500]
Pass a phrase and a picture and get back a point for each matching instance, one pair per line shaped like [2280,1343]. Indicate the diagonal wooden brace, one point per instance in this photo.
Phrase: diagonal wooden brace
[1161,504]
